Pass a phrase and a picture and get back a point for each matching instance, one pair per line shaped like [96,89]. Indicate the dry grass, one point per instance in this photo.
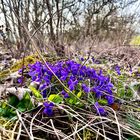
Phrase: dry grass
[78,124]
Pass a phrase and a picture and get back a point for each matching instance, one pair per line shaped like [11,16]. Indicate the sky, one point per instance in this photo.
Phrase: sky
[1,19]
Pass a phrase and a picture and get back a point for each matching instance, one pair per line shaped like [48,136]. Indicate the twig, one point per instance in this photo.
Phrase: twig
[12,137]
[8,131]
[19,116]
[19,132]
[117,122]
[55,129]
[86,124]
[32,124]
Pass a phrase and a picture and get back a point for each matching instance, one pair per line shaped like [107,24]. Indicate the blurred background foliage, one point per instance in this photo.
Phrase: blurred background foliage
[135,41]
[58,23]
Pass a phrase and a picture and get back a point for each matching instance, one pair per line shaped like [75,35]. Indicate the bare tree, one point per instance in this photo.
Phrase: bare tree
[63,20]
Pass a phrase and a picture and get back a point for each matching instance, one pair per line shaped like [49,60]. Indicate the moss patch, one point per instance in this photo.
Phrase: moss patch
[19,64]
[27,60]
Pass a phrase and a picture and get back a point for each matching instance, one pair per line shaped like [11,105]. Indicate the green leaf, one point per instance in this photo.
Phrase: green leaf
[25,103]
[3,105]
[134,122]
[71,101]
[129,93]
[22,105]
[109,71]
[35,92]
[136,86]
[121,92]
[13,100]
[102,102]
[79,94]
[7,111]
[55,98]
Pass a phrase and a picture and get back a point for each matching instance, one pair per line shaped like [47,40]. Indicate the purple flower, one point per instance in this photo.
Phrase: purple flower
[138,74]
[48,108]
[93,59]
[117,69]
[46,104]
[100,110]
[109,84]
[71,87]
[72,73]
[74,69]
[65,94]
[85,88]
[20,79]
[72,84]
[110,99]
[97,62]
[97,91]
[81,72]
[44,93]
[82,59]
[64,74]
[43,86]
[21,70]
[130,68]
[47,78]
[34,78]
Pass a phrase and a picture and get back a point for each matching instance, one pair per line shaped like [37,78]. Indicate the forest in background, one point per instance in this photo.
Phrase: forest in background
[69,70]
[58,24]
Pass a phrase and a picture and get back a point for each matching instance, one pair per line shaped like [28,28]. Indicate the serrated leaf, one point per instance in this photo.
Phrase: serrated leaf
[35,92]
[55,98]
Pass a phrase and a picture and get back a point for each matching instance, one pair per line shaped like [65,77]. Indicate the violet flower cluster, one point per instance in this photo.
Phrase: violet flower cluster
[118,70]
[72,74]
